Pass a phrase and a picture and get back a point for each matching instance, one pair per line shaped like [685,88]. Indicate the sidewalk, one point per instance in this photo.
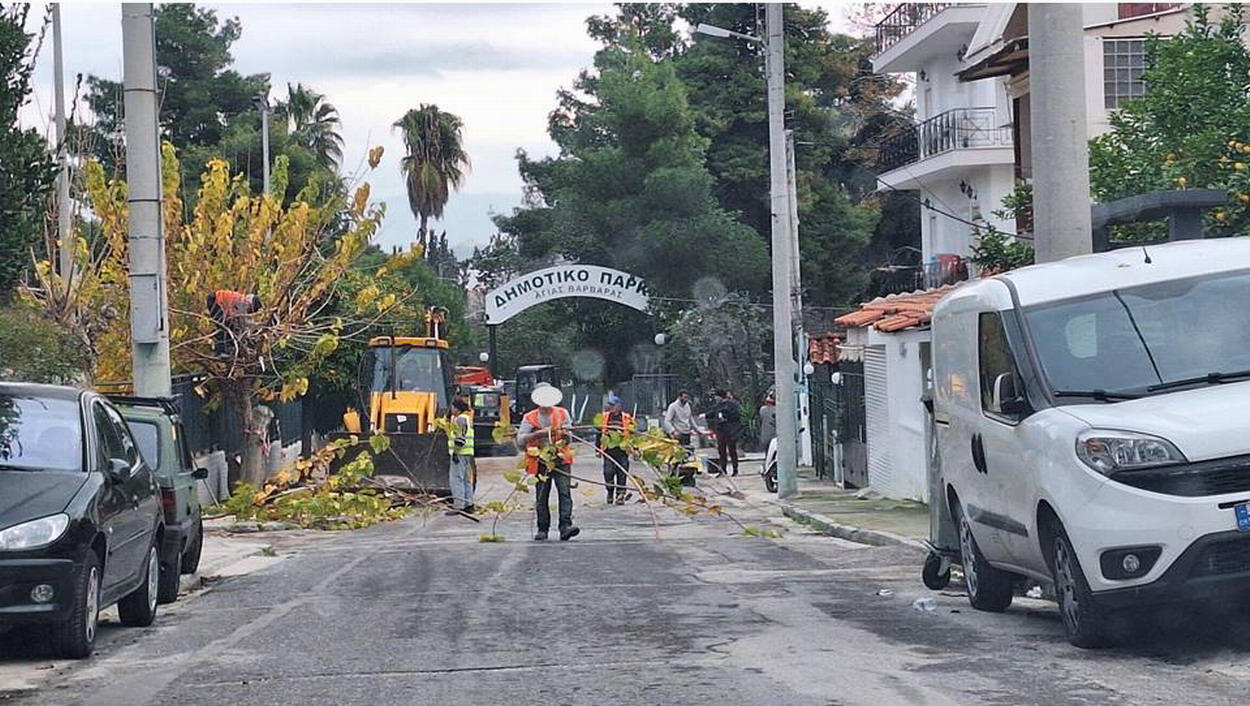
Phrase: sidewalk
[841,513]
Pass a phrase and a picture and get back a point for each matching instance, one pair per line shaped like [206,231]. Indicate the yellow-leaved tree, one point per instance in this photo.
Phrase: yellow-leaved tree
[291,258]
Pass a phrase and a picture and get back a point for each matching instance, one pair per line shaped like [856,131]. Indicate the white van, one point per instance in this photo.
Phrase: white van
[1093,423]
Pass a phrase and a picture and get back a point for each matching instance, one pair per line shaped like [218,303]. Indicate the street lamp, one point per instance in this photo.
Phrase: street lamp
[261,101]
[785,374]
[714,31]
[484,357]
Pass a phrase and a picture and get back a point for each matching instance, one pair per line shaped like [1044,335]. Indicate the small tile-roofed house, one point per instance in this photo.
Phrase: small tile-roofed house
[890,338]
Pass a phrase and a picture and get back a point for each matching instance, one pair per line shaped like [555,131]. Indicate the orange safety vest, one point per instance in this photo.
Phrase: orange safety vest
[559,417]
[626,425]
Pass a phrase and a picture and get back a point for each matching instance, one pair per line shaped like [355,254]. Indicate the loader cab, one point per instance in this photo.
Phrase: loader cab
[527,378]
[405,383]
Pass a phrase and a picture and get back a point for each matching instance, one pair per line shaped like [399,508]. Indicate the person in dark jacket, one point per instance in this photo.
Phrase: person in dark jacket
[728,418]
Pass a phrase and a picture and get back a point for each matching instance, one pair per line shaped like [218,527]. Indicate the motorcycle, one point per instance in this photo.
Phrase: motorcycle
[769,469]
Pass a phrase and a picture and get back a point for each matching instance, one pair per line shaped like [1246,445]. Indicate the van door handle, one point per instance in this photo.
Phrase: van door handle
[978,454]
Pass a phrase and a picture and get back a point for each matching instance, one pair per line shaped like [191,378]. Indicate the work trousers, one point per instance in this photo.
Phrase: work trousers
[616,477]
[560,476]
[461,478]
[727,451]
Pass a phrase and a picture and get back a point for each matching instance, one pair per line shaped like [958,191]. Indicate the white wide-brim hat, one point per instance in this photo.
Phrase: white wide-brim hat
[544,395]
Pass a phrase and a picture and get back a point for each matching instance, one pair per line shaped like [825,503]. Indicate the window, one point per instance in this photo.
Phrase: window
[111,445]
[39,434]
[1129,10]
[147,435]
[1123,63]
[993,355]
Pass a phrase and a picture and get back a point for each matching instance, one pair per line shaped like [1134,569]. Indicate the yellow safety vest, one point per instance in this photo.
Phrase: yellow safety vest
[467,449]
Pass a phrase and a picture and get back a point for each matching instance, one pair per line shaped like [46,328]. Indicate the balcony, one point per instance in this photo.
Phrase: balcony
[971,131]
[903,20]
[916,33]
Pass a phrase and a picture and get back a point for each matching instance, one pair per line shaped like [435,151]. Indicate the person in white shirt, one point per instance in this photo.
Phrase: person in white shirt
[679,419]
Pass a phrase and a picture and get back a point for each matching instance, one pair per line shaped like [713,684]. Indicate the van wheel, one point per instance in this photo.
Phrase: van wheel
[74,637]
[191,558]
[770,479]
[1083,617]
[171,576]
[138,609]
[989,589]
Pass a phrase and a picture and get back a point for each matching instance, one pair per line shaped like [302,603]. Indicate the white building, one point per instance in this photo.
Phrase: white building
[970,68]
[968,147]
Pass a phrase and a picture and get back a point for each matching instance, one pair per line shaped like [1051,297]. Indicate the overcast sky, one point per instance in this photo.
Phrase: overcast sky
[496,66]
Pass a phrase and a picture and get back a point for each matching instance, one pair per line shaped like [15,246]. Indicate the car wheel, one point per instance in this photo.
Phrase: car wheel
[934,578]
[191,558]
[74,637]
[171,578]
[770,479]
[138,609]
[989,589]
[1083,617]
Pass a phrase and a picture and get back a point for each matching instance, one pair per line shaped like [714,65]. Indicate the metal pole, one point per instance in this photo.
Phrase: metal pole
[264,144]
[149,321]
[796,302]
[783,348]
[63,212]
[1060,151]
[494,353]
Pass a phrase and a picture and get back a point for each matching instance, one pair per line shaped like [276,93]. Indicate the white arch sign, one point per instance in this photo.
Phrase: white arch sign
[563,281]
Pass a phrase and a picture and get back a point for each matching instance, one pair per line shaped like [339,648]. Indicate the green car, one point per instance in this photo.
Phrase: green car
[157,429]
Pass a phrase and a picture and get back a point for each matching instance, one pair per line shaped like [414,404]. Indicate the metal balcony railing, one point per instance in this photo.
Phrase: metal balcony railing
[961,128]
[905,18]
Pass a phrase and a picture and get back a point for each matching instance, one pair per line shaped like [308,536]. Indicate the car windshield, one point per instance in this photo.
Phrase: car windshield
[40,434]
[1138,338]
[413,369]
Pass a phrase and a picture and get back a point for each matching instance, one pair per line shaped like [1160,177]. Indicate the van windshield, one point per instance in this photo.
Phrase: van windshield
[1135,339]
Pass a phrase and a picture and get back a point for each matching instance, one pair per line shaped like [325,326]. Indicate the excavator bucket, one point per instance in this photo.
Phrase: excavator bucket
[414,462]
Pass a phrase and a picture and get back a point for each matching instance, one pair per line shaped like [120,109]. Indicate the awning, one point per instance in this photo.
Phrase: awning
[1010,60]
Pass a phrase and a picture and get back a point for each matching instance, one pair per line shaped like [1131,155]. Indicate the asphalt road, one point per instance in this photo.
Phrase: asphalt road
[421,612]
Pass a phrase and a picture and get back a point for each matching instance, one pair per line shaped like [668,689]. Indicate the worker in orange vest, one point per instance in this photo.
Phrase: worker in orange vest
[615,461]
[546,424]
[230,310]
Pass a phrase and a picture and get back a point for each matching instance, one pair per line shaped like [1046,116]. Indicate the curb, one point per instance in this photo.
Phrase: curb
[860,535]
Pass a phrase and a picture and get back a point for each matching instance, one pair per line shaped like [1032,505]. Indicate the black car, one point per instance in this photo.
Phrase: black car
[80,516]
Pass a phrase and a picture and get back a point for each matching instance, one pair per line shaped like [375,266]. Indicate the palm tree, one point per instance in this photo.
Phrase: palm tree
[314,124]
[435,164]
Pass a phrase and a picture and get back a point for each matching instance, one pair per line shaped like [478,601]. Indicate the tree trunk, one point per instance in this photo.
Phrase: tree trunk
[423,237]
[254,419]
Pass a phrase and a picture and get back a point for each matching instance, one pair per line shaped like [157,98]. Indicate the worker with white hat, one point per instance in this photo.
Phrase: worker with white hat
[541,426]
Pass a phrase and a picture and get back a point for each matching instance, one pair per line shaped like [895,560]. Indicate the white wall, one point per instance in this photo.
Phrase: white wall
[908,477]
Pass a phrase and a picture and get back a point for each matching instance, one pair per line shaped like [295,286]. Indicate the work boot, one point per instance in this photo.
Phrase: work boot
[469,509]
[620,499]
[568,533]
[541,536]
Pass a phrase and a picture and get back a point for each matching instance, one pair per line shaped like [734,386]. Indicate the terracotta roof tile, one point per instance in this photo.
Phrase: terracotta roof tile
[824,348]
[896,312]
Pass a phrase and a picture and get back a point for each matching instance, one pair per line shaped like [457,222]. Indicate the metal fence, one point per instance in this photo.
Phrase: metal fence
[961,128]
[904,20]
[218,428]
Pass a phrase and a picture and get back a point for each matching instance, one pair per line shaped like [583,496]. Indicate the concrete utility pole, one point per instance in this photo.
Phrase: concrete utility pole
[149,319]
[1061,216]
[783,288]
[63,213]
[262,103]
[796,304]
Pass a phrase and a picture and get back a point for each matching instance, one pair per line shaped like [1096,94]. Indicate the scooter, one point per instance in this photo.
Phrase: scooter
[769,469]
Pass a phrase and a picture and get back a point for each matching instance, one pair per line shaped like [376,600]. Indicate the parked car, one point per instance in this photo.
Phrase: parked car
[157,428]
[80,516]
[1091,416]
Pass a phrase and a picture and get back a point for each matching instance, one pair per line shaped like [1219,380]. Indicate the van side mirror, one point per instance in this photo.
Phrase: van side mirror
[118,469]
[1007,398]
[200,474]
